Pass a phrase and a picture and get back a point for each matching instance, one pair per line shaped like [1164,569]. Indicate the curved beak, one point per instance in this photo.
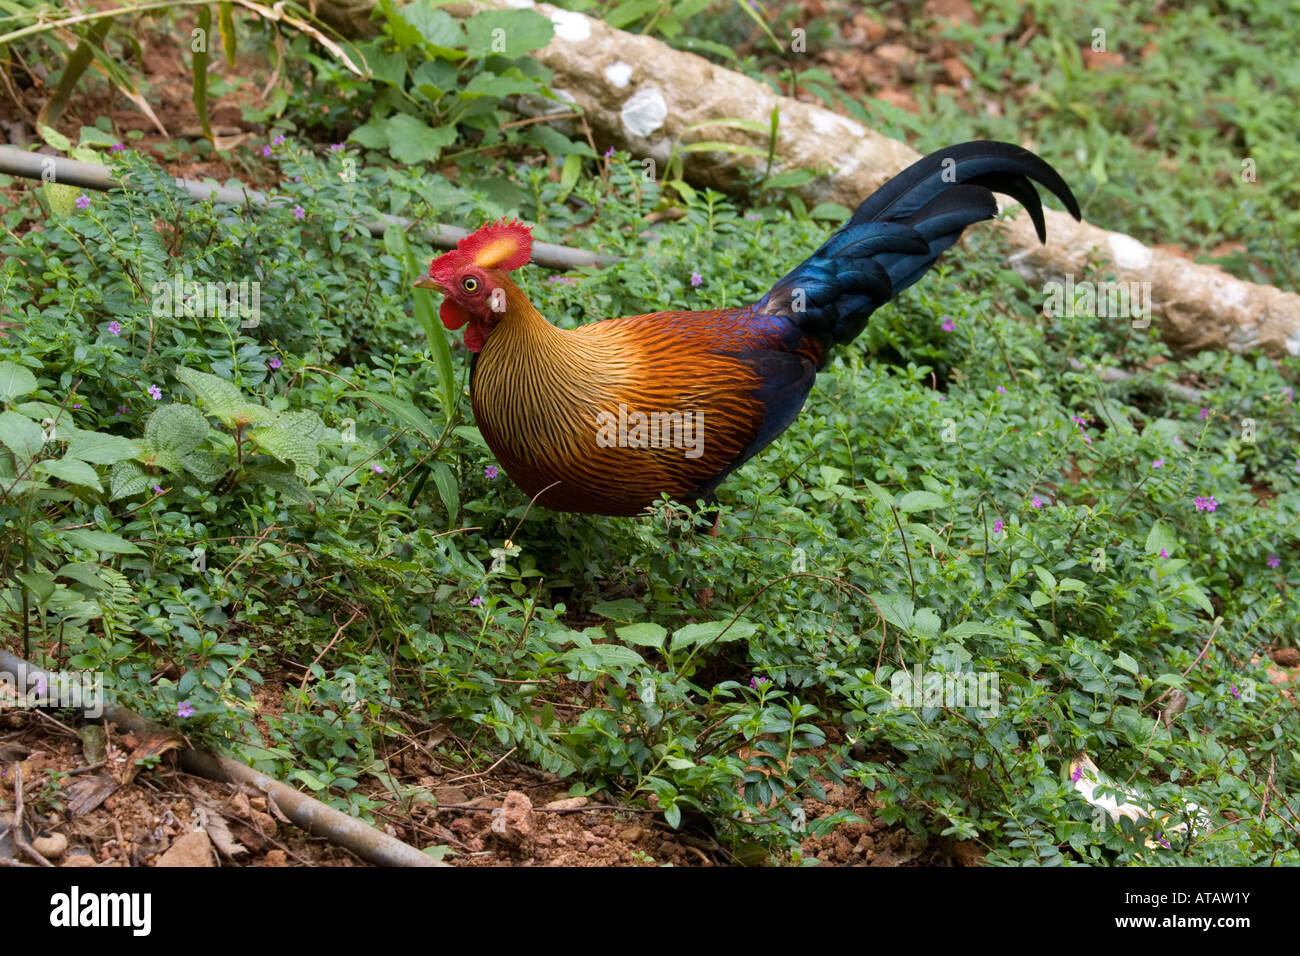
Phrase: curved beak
[424,282]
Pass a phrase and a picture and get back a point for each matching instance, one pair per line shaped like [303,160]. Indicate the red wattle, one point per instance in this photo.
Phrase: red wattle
[475,336]
[452,315]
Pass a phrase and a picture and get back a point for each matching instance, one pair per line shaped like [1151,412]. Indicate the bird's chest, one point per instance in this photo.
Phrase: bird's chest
[539,421]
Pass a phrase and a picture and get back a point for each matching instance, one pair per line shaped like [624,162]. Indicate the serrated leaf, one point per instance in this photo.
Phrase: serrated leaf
[1126,662]
[126,479]
[217,395]
[176,428]
[282,480]
[292,437]
[1160,537]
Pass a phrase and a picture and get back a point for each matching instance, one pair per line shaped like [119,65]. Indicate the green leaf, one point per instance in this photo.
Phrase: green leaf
[373,135]
[176,428]
[1126,662]
[643,634]
[100,449]
[624,609]
[790,179]
[448,490]
[98,541]
[281,479]
[512,33]
[499,85]
[199,70]
[434,27]
[832,211]
[1161,537]
[220,397]
[920,501]
[708,632]
[127,478]
[569,176]
[226,21]
[72,471]
[20,435]
[292,437]
[411,141]
[404,410]
[15,381]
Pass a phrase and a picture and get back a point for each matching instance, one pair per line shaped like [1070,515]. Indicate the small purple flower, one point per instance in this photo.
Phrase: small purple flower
[185,709]
[83,201]
[1289,392]
[278,141]
[609,152]
[475,602]
[491,472]
[377,469]
[155,393]
[116,148]
[997,526]
[697,279]
[1205,413]
[266,151]
[1273,561]
[1178,440]
[943,398]
[1206,504]
[1234,692]
[756,682]
[1158,463]
[115,328]
[1002,389]
[157,489]
[297,179]
[299,212]
[274,363]
[1164,553]
[949,324]
[77,405]
[1076,774]
[1036,502]
[336,146]
[121,409]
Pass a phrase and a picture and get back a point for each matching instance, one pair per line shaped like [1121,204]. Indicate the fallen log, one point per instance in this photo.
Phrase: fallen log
[643,96]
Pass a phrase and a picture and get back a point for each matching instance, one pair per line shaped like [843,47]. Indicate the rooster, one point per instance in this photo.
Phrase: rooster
[606,418]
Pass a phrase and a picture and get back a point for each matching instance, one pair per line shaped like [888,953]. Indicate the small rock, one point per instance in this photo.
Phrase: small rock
[631,834]
[515,823]
[569,803]
[51,847]
[78,857]
[956,71]
[448,795]
[193,849]
[275,858]
[1286,656]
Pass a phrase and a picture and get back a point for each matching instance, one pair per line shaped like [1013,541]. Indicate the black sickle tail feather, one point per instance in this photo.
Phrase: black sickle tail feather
[896,235]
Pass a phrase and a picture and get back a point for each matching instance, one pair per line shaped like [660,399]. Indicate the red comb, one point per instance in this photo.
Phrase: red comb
[498,245]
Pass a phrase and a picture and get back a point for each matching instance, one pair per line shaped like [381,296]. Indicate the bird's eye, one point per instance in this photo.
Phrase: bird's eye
[469,284]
